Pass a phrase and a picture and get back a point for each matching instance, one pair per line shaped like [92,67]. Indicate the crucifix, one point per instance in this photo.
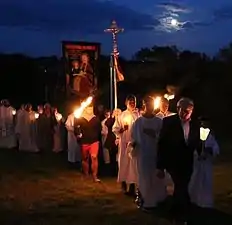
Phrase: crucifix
[114,30]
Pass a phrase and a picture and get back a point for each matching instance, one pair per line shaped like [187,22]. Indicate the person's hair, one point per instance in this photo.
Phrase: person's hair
[130,98]
[147,99]
[185,102]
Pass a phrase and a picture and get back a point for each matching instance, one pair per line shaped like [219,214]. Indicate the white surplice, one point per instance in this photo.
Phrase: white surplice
[26,131]
[7,130]
[57,145]
[104,132]
[201,184]
[74,151]
[152,189]
[127,170]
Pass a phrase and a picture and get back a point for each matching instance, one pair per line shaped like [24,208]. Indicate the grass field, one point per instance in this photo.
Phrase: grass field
[41,190]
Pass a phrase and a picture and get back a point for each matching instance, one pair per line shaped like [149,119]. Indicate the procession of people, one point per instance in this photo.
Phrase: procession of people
[145,149]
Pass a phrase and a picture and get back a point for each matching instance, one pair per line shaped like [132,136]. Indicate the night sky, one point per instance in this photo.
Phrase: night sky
[36,27]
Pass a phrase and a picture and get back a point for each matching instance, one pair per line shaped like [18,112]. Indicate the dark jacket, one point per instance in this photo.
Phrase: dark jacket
[173,152]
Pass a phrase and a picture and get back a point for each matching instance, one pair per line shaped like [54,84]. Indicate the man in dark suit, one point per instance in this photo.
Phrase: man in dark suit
[179,138]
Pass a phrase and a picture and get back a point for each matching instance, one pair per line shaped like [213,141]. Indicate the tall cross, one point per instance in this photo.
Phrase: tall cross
[114,30]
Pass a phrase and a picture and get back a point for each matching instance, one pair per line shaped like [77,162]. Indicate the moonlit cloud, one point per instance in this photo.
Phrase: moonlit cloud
[174,7]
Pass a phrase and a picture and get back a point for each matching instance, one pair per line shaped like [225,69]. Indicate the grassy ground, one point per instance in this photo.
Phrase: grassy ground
[41,190]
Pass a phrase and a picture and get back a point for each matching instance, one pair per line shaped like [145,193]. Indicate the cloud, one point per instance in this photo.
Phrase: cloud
[174,7]
[82,16]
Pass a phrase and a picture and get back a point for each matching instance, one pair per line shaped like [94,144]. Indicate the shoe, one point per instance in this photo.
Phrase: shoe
[96,180]
[148,209]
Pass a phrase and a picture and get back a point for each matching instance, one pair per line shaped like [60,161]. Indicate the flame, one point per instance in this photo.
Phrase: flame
[58,117]
[169,97]
[13,112]
[36,115]
[127,120]
[84,104]
[157,102]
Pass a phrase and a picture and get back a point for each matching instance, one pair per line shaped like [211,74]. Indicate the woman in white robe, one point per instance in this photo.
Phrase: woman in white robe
[127,171]
[201,184]
[145,133]
[74,151]
[26,130]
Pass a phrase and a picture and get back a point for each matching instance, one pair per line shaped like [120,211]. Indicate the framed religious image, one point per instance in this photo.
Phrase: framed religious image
[81,67]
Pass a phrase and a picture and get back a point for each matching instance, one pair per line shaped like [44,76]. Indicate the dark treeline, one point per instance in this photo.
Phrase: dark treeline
[207,80]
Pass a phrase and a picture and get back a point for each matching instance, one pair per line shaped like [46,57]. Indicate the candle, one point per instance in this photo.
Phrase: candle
[204,132]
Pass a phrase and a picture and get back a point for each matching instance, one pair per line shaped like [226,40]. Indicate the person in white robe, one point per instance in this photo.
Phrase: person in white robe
[57,137]
[164,106]
[7,130]
[26,130]
[74,151]
[127,171]
[145,133]
[201,183]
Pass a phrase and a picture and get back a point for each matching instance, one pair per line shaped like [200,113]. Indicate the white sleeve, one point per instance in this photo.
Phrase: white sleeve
[70,123]
[117,127]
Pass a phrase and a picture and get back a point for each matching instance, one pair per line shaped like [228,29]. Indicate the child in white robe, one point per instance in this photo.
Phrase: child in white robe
[201,184]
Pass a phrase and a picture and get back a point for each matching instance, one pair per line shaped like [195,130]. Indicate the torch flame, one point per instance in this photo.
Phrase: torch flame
[157,102]
[84,104]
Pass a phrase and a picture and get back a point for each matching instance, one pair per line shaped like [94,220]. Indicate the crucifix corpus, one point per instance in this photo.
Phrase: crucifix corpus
[114,30]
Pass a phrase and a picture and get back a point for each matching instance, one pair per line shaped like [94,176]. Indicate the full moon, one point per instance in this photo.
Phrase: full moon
[174,22]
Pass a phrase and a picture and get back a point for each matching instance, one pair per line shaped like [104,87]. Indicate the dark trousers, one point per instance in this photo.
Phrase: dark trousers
[181,199]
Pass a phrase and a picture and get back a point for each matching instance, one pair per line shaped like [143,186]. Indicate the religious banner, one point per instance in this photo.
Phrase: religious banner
[81,65]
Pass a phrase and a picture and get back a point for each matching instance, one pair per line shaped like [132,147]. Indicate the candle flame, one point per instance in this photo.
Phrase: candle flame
[84,104]
[169,97]
[13,112]
[36,115]
[58,117]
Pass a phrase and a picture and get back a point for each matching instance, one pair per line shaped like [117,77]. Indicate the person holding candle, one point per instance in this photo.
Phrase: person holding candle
[26,130]
[74,152]
[201,184]
[164,106]
[179,138]
[127,171]
[57,136]
[145,134]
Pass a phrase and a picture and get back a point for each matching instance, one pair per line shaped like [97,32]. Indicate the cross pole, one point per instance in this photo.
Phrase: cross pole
[114,30]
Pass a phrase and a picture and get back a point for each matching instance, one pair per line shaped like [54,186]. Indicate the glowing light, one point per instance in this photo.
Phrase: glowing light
[84,104]
[204,132]
[58,117]
[157,102]
[174,22]
[36,115]
[13,112]
[169,97]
